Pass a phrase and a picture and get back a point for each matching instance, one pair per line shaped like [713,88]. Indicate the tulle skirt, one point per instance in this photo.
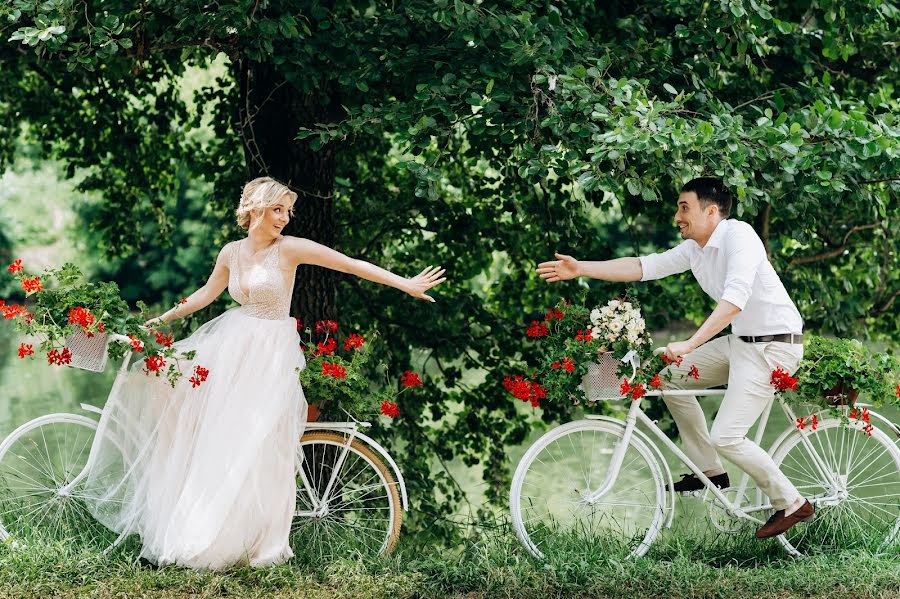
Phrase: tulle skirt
[206,476]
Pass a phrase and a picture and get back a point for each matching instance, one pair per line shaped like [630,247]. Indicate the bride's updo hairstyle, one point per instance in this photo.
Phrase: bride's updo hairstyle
[260,193]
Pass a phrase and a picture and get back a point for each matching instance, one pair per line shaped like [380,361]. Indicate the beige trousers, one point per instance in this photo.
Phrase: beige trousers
[747,369]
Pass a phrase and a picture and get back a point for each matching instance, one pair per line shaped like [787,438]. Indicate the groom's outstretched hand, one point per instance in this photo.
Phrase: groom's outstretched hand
[424,281]
[561,269]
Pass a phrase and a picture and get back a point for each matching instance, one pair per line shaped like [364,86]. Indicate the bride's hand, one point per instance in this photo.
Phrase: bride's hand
[425,280]
[154,322]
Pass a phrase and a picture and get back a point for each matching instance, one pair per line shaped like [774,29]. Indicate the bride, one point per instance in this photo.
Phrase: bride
[206,475]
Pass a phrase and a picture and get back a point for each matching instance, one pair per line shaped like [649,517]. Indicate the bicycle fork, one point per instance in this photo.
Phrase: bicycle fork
[618,456]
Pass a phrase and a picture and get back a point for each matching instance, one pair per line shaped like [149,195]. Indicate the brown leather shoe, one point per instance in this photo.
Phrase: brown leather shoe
[778,523]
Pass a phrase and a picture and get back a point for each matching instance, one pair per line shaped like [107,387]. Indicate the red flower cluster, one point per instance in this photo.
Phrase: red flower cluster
[583,335]
[655,382]
[667,360]
[813,422]
[898,390]
[326,326]
[537,329]
[782,380]
[864,417]
[636,392]
[353,341]
[299,324]
[200,375]
[81,316]
[32,285]
[26,350]
[136,344]
[567,364]
[164,340]
[390,409]
[10,312]
[60,358]
[694,373]
[154,364]
[326,348]
[554,314]
[15,267]
[335,370]
[410,379]
[530,391]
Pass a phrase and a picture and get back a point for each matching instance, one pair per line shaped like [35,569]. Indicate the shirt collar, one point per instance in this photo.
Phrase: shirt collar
[718,236]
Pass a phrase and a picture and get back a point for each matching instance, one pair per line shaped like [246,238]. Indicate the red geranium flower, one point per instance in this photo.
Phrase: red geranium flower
[782,380]
[327,347]
[584,336]
[154,364]
[353,341]
[60,358]
[15,267]
[625,387]
[638,392]
[390,409]
[136,344]
[200,375]
[335,370]
[10,312]
[568,364]
[537,329]
[694,373]
[553,314]
[163,339]
[801,423]
[410,379]
[26,350]
[299,324]
[667,360]
[326,326]
[898,390]
[81,316]
[32,285]
[655,382]
[526,390]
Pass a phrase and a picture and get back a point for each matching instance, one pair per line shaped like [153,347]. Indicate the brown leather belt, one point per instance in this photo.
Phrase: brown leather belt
[784,338]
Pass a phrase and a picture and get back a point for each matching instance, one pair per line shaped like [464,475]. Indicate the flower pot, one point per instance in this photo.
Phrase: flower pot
[602,379]
[312,414]
[842,394]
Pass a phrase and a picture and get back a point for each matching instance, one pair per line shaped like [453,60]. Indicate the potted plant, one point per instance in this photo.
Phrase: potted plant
[834,372]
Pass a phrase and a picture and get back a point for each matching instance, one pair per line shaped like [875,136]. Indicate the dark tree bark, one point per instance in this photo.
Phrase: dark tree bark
[270,113]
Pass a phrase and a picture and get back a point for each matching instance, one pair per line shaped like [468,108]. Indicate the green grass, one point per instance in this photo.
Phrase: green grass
[684,564]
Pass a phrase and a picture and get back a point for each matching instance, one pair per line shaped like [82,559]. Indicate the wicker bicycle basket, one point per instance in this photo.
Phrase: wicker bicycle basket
[88,352]
[602,379]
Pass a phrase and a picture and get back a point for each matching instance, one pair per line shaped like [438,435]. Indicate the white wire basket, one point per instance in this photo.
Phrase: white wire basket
[602,381]
[88,352]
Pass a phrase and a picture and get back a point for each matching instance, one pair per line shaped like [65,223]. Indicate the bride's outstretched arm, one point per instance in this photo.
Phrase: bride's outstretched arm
[304,251]
[204,296]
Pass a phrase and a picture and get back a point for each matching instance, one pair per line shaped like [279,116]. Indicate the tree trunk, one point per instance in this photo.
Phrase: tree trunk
[270,113]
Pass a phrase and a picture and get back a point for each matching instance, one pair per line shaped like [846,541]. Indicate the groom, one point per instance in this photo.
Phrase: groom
[729,262]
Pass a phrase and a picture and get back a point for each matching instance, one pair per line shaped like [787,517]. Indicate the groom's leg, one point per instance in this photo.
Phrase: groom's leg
[711,361]
[749,393]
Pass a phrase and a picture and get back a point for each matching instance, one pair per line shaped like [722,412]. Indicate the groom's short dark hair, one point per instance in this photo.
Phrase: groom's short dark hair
[710,190]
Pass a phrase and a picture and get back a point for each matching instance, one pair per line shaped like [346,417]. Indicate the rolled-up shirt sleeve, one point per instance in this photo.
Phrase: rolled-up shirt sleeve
[670,262]
[744,254]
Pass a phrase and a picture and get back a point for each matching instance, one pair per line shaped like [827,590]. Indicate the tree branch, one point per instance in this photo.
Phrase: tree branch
[831,253]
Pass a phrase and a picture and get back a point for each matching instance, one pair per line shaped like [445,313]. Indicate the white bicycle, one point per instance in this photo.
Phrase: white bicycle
[601,483]
[350,493]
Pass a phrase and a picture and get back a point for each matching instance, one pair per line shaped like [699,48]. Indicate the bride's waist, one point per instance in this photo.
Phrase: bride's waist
[263,312]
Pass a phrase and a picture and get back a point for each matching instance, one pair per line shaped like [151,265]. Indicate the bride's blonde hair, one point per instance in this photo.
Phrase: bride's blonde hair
[260,193]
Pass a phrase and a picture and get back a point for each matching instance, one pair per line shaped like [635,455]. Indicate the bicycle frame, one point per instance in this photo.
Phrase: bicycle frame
[734,509]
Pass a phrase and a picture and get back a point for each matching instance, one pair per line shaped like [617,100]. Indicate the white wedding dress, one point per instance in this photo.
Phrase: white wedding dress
[206,476]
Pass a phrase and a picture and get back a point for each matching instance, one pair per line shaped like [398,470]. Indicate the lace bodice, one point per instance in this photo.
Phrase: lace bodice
[268,296]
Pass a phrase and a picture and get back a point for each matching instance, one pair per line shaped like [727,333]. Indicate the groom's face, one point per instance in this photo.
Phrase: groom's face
[693,220]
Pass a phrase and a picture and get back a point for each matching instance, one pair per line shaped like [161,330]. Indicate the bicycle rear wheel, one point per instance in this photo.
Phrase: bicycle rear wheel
[862,508]
[37,460]
[550,513]
[349,503]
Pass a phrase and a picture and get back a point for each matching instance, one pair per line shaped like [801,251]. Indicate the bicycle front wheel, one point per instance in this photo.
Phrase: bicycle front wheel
[37,462]
[858,505]
[549,495]
[348,502]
